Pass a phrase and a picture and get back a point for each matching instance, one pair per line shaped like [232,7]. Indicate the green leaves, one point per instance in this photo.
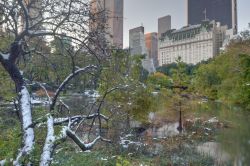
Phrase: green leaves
[227,77]
[159,80]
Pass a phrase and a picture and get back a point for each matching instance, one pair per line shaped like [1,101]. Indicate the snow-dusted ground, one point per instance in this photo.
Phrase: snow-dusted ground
[91,93]
[126,141]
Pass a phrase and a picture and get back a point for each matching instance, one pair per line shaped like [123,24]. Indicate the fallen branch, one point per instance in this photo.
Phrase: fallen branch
[58,121]
[49,144]
[28,132]
[81,144]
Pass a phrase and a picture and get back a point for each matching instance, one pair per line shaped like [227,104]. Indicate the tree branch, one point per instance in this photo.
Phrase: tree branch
[49,144]
[79,142]
[66,81]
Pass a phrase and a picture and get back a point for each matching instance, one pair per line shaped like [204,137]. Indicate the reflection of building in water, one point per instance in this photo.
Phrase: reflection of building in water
[108,15]
[193,43]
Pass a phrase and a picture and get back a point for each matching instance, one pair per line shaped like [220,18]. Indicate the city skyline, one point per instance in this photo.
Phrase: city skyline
[137,13]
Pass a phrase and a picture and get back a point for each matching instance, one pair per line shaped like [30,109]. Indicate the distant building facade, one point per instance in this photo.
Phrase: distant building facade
[193,43]
[223,11]
[137,46]
[111,19]
[152,46]
[164,24]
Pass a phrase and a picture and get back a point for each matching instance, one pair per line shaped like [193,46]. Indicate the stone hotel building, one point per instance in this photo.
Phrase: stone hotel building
[194,43]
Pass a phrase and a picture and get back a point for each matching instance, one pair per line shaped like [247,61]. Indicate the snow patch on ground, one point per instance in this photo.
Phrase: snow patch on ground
[91,93]
[125,142]
[104,159]
[213,120]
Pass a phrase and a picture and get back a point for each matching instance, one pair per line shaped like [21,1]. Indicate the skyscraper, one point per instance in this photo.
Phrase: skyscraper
[137,46]
[137,41]
[152,46]
[164,24]
[223,11]
[113,10]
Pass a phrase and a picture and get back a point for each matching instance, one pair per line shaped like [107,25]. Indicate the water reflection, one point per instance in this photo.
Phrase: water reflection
[233,139]
[214,150]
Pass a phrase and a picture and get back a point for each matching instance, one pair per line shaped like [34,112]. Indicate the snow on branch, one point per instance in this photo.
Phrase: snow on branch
[79,142]
[5,56]
[2,162]
[58,121]
[49,143]
[66,81]
[97,114]
[28,132]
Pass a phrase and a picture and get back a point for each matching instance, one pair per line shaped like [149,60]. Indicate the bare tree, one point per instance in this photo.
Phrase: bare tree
[33,20]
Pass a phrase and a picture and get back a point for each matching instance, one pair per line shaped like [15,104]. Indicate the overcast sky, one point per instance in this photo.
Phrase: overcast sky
[147,12]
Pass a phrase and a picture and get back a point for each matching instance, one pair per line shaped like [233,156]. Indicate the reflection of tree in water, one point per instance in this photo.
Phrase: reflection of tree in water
[236,138]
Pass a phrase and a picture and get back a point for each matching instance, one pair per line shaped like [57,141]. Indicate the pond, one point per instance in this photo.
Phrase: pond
[219,131]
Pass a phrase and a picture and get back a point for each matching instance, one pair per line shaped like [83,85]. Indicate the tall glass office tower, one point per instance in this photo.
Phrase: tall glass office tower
[223,11]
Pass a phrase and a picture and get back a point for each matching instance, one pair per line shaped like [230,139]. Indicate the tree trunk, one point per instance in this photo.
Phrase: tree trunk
[24,105]
[180,128]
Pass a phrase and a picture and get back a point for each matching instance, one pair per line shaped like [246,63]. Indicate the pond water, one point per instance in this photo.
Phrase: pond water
[233,140]
[225,131]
